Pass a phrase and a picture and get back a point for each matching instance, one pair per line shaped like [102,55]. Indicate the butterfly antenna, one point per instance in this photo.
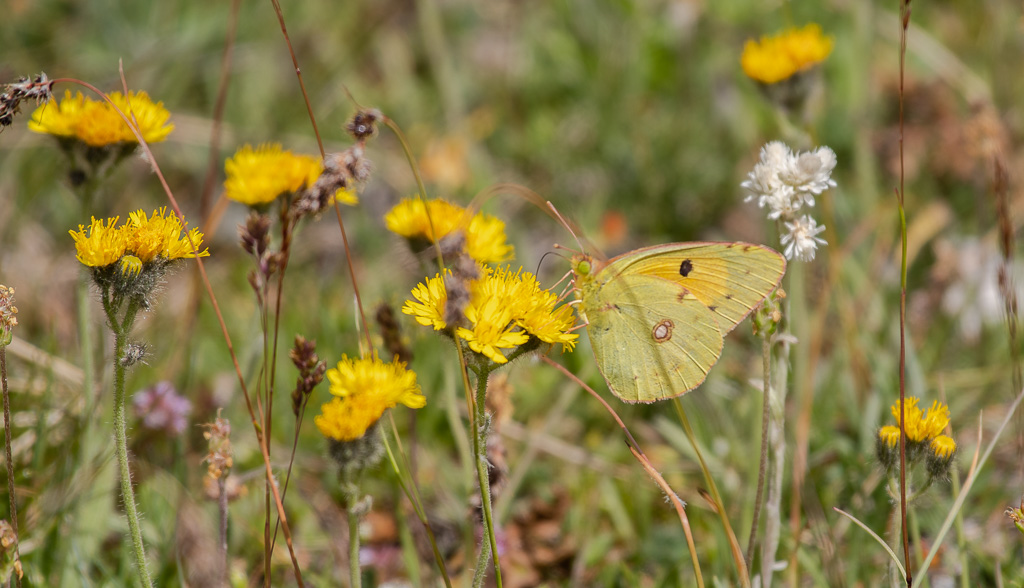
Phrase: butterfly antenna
[541,262]
[565,224]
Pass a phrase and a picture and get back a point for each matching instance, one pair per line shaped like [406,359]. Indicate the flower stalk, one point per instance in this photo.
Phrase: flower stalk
[482,423]
[121,329]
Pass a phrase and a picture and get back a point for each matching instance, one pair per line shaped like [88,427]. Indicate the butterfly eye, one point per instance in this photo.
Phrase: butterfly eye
[583,268]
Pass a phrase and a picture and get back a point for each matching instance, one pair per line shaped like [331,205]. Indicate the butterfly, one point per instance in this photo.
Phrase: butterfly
[657,316]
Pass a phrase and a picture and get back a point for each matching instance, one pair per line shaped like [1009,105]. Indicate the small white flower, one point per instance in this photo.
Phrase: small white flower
[802,239]
[784,182]
[810,173]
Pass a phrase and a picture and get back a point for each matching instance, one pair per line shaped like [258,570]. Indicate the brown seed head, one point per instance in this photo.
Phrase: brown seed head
[364,124]
[220,457]
[311,370]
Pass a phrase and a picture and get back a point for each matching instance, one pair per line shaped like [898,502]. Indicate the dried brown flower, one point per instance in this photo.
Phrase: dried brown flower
[311,371]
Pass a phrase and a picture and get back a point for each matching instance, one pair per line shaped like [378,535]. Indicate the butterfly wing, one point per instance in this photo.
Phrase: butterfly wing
[652,339]
[730,279]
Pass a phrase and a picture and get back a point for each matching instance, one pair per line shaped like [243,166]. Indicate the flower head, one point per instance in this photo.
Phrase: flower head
[802,240]
[220,456]
[890,435]
[920,425]
[422,222]
[161,408]
[104,243]
[504,311]
[785,183]
[258,176]
[363,389]
[98,124]
[777,58]
[160,235]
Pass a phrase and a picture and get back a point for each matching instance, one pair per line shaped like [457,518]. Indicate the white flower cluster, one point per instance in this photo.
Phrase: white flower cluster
[785,182]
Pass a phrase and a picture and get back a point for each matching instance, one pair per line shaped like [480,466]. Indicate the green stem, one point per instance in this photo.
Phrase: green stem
[961,537]
[766,362]
[480,453]
[734,544]
[355,576]
[7,453]
[121,435]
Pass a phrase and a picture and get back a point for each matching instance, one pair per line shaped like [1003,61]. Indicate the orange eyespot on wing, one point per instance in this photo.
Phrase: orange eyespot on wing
[652,340]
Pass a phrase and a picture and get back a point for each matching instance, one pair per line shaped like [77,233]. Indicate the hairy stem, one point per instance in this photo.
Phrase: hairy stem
[355,576]
[483,474]
[766,367]
[121,439]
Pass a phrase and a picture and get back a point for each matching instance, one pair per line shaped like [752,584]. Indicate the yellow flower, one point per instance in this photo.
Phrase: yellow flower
[150,118]
[492,323]
[936,421]
[363,389]
[485,234]
[920,427]
[130,265]
[58,118]
[431,298]
[258,176]
[505,309]
[538,315]
[774,59]
[104,244]
[97,124]
[160,236]
[943,447]
[890,435]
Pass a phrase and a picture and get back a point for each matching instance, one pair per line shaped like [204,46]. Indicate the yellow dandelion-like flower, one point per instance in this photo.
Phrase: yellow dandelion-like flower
[936,420]
[943,447]
[130,266]
[363,390]
[430,300]
[102,244]
[258,176]
[777,58]
[890,435]
[160,236]
[491,332]
[505,308]
[486,241]
[58,118]
[97,124]
[912,419]
[923,426]
[485,235]
[409,218]
[151,118]
[539,317]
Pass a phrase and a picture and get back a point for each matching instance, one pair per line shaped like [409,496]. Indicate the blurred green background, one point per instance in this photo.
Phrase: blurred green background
[634,119]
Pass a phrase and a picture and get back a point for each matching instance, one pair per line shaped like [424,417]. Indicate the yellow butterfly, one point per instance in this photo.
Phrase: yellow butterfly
[656,316]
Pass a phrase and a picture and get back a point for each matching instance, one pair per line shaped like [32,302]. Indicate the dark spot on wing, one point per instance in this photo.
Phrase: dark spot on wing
[712,308]
[681,297]
[685,268]
[728,296]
